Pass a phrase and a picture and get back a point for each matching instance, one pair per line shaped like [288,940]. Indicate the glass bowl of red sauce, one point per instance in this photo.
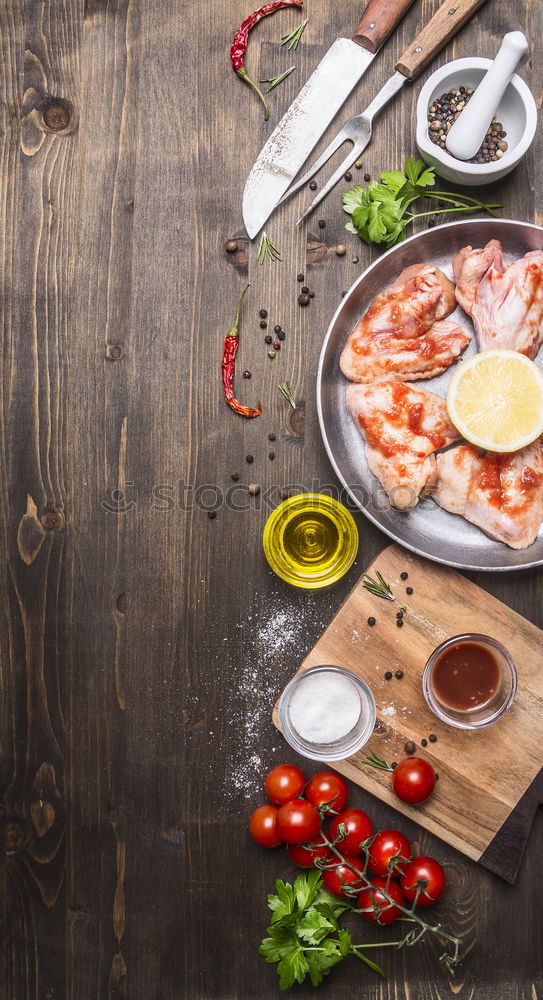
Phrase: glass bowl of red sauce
[470,681]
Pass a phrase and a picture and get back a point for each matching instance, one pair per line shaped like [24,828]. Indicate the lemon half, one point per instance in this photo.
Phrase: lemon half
[495,400]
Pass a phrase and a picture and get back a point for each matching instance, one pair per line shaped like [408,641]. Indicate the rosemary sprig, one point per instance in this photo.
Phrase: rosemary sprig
[292,39]
[266,249]
[378,587]
[378,762]
[286,389]
[274,81]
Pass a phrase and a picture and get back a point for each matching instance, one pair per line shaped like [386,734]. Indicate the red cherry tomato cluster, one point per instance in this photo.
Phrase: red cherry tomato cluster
[397,879]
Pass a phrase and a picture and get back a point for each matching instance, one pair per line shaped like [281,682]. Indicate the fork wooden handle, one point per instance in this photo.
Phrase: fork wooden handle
[377,22]
[450,17]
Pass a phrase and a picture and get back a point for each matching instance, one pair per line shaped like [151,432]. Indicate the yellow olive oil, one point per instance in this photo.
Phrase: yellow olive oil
[310,540]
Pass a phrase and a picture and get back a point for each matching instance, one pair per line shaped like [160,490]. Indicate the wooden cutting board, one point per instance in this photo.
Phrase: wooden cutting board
[490,781]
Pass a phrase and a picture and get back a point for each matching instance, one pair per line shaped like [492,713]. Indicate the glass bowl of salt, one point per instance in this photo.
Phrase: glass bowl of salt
[327,713]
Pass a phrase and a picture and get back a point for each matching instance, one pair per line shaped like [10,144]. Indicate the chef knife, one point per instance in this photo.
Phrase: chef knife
[445,23]
[312,111]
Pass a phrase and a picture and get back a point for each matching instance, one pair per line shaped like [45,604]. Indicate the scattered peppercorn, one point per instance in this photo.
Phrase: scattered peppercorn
[281,334]
[254,489]
[231,246]
[263,324]
[388,675]
[271,455]
[277,346]
[433,738]
[437,775]
[404,576]
[300,277]
[268,339]
[304,300]
[431,223]
[277,329]
[249,459]
[212,514]
[246,373]
[371,621]
[355,260]
[235,476]
[348,176]
[271,436]
[341,250]
[271,354]
[313,185]
[399,674]
[394,764]
[305,290]
[358,164]
[410,747]
[312,295]
[409,590]
[399,614]
[424,743]
[263,313]
[367,177]
[399,622]
[322,224]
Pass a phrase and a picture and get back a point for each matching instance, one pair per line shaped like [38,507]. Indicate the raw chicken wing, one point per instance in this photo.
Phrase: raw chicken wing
[505,303]
[404,335]
[502,494]
[401,427]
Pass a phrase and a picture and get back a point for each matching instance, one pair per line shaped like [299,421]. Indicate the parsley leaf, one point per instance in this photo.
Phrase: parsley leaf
[292,968]
[379,211]
[283,903]
[305,888]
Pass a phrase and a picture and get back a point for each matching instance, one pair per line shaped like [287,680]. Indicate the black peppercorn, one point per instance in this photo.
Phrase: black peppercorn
[433,738]
[212,514]
[268,339]
[305,290]
[249,459]
[399,614]
[348,176]
[235,476]
[271,455]
[394,764]
[263,313]
[371,621]
[388,675]
[399,622]
[246,373]
[322,223]
[313,185]
[281,334]
[263,324]
[300,277]
[399,674]
[404,576]
[424,743]
[409,590]
[367,177]
[271,436]
[410,747]
[312,295]
[277,329]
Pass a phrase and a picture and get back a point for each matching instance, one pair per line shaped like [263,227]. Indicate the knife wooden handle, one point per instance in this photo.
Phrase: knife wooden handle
[378,20]
[450,17]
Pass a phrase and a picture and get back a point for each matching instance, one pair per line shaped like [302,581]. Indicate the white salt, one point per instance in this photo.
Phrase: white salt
[324,707]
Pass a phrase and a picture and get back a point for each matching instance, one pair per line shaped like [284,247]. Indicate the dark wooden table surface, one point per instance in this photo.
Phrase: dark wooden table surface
[143,643]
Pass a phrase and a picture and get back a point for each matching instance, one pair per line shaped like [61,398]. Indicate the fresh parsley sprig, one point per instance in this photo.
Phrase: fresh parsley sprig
[379,212]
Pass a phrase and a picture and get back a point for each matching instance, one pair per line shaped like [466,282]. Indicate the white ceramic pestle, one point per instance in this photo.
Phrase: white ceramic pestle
[468,131]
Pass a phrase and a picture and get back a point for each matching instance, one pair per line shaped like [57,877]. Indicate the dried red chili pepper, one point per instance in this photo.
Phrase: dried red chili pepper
[239,45]
[229,363]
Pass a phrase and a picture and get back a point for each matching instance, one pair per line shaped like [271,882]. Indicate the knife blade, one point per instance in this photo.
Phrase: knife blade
[314,108]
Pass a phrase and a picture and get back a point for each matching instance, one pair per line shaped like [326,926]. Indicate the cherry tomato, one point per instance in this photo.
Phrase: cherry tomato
[428,869]
[327,787]
[263,826]
[298,821]
[358,825]
[371,899]
[389,844]
[413,780]
[334,877]
[305,855]
[283,783]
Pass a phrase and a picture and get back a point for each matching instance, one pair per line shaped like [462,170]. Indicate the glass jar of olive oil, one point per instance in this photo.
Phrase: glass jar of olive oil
[310,540]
